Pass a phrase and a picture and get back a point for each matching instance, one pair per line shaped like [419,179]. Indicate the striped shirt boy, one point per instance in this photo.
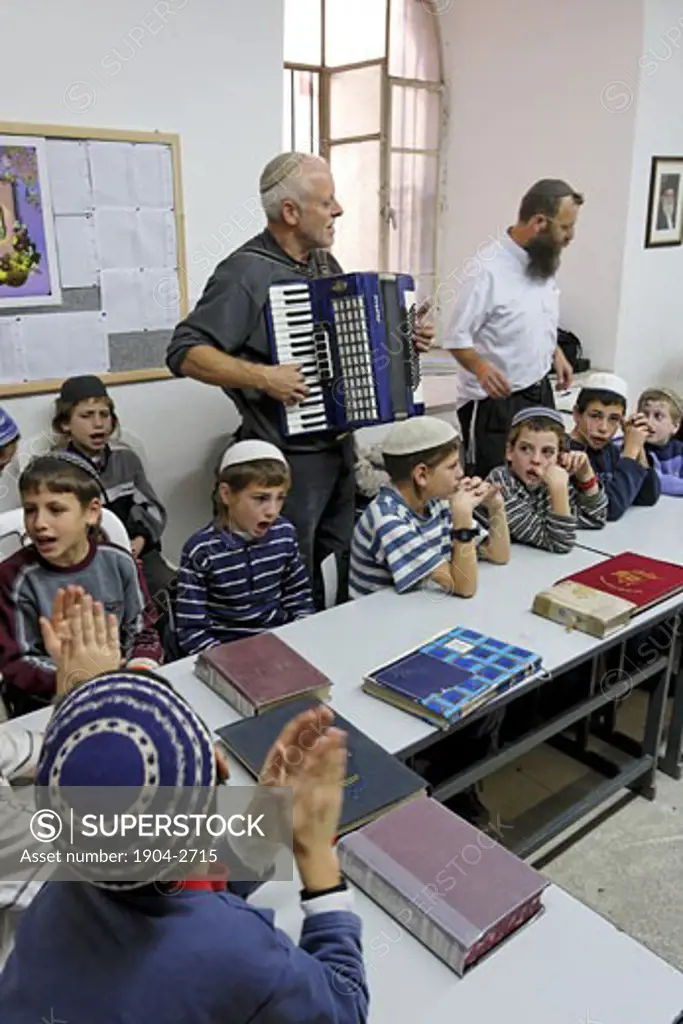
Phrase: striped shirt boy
[230,586]
[532,521]
[394,546]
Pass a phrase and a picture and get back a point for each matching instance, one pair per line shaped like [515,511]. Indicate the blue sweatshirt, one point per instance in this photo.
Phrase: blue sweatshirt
[86,956]
[626,482]
[668,462]
[230,587]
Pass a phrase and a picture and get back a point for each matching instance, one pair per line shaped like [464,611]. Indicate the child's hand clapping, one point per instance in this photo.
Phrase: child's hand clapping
[80,638]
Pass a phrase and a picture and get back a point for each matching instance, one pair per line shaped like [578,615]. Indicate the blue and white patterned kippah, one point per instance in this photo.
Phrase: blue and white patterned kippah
[132,731]
[9,431]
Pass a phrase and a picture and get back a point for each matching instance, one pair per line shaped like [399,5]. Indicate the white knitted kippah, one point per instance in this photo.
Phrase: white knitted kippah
[418,434]
[608,382]
[251,451]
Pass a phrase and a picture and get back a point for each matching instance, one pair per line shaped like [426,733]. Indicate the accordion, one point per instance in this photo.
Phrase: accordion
[352,335]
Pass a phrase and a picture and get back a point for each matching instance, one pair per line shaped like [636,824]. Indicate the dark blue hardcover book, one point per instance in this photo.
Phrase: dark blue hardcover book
[451,675]
[375,780]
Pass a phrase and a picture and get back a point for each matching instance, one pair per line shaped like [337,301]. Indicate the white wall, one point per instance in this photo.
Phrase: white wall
[533,93]
[650,332]
[213,73]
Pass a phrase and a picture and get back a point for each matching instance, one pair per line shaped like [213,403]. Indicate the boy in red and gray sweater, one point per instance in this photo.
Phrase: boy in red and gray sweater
[62,500]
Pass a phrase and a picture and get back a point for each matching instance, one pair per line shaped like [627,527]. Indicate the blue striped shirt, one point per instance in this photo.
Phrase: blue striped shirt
[230,587]
[394,546]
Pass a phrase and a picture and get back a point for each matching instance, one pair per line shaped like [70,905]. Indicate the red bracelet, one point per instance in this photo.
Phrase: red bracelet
[588,483]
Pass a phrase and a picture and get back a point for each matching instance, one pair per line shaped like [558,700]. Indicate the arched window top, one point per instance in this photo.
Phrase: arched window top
[338,33]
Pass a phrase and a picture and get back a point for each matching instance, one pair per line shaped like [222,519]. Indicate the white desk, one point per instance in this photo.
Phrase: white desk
[570,966]
[349,640]
[655,531]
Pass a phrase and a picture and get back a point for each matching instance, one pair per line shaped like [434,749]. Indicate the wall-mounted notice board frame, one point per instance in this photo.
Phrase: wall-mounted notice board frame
[92,254]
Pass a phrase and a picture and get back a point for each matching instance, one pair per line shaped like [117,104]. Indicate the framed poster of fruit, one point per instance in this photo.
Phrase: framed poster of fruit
[29,273]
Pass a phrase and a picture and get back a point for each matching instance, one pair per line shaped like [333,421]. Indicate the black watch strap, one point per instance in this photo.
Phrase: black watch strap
[306,894]
[464,536]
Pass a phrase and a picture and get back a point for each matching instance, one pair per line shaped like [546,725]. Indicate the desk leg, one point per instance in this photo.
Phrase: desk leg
[671,762]
[654,725]
[605,720]
[583,727]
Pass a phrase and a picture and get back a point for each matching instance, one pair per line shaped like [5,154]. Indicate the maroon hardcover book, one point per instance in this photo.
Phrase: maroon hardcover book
[259,673]
[454,888]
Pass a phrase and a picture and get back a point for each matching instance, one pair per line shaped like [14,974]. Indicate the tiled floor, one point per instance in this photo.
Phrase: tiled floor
[627,868]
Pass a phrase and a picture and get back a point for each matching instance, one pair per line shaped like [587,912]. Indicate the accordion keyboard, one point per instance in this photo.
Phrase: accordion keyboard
[295,341]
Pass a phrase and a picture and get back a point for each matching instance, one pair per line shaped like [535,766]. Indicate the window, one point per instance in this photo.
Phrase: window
[363,88]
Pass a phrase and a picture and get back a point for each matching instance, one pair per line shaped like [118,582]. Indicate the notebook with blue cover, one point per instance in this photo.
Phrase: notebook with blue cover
[451,675]
[375,780]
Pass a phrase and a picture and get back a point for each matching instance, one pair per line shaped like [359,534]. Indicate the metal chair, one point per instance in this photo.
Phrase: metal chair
[115,530]
[11,531]
[330,577]
[12,526]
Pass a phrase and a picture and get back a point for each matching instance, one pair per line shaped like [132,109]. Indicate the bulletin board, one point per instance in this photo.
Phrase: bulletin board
[92,255]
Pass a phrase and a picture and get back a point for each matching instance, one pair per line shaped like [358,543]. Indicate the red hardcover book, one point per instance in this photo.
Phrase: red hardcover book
[643,581]
[258,673]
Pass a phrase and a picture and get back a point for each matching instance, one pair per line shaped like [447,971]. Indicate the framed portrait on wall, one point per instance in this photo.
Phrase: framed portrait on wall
[29,274]
[665,204]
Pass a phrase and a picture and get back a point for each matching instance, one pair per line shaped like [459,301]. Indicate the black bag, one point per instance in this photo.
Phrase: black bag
[573,350]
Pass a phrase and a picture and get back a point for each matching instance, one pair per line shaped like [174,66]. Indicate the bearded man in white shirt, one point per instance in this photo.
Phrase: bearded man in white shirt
[503,328]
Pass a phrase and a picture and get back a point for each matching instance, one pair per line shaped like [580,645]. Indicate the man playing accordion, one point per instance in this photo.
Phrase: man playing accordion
[224,341]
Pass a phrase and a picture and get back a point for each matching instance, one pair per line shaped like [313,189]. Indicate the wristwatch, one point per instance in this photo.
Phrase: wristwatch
[306,894]
[464,536]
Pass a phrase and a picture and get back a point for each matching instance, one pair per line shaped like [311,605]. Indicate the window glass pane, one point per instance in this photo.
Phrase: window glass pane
[414,179]
[414,118]
[315,114]
[305,85]
[303,32]
[355,30]
[355,167]
[414,41]
[355,98]
[287,140]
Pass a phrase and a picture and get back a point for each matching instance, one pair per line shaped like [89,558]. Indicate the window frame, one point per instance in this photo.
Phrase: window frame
[384,135]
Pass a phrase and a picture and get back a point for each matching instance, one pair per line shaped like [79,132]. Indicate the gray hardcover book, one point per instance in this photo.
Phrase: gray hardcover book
[451,886]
